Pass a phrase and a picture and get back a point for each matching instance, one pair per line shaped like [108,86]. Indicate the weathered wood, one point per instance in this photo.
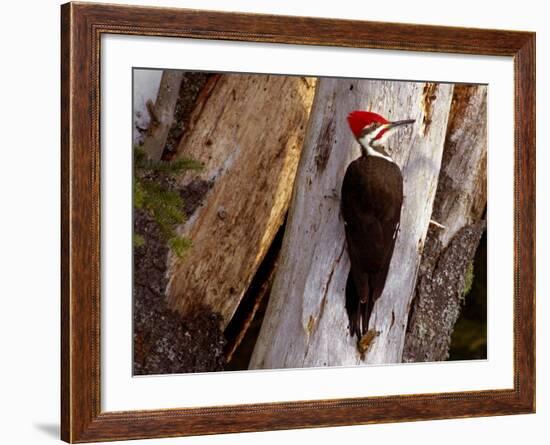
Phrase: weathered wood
[82,419]
[306,323]
[162,113]
[248,132]
[459,205]
[255,297]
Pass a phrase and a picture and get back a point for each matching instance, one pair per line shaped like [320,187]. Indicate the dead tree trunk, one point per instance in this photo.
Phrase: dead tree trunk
[162,113]
[306,323]
[459,205]
[145,90]
[248,132]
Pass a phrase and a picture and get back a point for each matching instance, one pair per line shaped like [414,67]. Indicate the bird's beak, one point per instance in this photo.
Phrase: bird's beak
[398,123]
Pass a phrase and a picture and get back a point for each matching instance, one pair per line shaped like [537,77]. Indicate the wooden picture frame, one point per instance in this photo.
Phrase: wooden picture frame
[82,26]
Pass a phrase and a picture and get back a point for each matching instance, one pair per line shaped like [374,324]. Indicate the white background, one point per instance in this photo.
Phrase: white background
[121,392]
[29,235]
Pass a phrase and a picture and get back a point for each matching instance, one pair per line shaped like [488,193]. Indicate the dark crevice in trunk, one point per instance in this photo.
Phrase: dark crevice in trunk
[243,329]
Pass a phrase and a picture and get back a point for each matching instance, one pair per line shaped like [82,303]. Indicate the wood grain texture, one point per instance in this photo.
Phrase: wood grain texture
[66,144]
[302,30]
[82,27]
[163,110]
[306,324]
[247,126]
[459,206]
[525,223]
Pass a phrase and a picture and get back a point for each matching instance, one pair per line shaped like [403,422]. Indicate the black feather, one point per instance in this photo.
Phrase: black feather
[372,196]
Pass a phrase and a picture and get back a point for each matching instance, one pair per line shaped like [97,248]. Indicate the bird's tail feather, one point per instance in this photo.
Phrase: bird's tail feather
[353,304]
[369,304]
[358,309]
[365,315]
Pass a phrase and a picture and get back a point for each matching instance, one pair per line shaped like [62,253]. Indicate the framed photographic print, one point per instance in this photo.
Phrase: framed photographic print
[275,222]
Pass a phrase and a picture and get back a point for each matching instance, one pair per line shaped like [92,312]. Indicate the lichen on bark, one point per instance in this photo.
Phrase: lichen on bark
[439,294]
[459,206]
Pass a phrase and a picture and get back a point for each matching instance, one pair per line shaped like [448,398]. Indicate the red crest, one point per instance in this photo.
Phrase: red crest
[360,119]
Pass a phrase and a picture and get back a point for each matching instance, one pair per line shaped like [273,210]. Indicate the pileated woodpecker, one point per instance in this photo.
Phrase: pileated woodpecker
[371,199]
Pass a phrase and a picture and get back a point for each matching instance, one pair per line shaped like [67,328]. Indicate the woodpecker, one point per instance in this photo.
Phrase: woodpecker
[371,200]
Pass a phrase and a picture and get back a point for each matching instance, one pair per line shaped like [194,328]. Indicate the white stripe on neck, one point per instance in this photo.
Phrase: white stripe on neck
[370,138]
[372,152]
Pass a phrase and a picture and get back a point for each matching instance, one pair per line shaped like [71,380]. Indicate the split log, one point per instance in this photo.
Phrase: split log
[253,301]
[248,131]
[459,206]
[162,114]
[306,323]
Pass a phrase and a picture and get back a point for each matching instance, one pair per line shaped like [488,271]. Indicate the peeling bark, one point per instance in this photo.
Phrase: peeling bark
[255,296]
[440,294]
[459,206]
[248,131]
[162,114]
[306,323]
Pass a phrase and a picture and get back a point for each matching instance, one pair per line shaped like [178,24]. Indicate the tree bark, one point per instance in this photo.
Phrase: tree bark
[459,206]
[248,132]
[306,322]
[162,114]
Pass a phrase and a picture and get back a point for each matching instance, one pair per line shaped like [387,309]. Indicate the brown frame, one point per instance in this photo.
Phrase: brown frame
[81,28]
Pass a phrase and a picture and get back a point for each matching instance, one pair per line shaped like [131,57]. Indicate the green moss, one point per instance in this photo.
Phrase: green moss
[141,162]
[469,279]
[158,200]
[138,240]
[179,245]
[469,338]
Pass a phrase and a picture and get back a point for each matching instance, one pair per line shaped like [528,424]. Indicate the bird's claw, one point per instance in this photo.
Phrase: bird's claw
[366,341]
